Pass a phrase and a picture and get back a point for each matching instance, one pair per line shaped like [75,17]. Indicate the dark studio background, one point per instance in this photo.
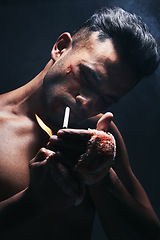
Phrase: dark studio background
[28,30]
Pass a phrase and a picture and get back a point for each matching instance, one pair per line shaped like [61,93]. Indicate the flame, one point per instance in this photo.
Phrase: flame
[44,126]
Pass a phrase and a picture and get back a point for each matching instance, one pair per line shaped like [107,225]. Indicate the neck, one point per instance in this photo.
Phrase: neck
[27,100]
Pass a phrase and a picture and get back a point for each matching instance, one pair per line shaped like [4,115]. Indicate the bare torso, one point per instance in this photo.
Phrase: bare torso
[21,138]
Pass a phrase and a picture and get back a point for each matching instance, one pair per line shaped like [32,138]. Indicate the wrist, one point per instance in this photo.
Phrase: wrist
[106,181]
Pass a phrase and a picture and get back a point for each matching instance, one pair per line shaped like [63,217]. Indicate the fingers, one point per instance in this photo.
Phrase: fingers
[98,158]
[60,144]
[69,181]
[42,154]
[69,147]
[77,134]
[55,143]
[53,182]
[104,122]
[91,163]
[72,143]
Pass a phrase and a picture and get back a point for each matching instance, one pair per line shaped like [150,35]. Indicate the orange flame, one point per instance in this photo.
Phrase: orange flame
[43,126]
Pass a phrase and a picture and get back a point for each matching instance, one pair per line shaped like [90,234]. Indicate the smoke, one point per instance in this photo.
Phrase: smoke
[148,10]
[28,33]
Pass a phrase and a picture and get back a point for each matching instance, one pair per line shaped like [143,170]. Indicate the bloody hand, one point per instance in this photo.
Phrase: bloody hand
[90,152]
[52,185]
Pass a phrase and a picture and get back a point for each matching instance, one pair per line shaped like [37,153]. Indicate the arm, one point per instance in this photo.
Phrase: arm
[52,188]
[16,214]
[122,204]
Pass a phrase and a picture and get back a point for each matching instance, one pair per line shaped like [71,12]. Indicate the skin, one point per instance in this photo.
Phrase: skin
[69,80]
[39,194]
[119,198]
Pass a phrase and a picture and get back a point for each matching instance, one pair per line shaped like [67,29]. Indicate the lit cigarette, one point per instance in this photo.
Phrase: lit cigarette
[66,117]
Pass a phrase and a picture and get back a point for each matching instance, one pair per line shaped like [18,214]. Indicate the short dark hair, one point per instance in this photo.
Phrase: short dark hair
[130,35]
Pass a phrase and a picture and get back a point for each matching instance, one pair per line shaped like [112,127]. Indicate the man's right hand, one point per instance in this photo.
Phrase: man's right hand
[52,185]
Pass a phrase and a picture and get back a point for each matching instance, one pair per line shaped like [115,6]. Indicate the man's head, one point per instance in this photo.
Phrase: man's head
[131,37]
[99,64]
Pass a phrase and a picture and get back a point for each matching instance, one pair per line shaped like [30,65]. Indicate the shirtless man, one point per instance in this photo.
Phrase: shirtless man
[43,198]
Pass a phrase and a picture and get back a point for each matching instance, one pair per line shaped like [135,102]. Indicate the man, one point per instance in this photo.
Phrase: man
[44,198]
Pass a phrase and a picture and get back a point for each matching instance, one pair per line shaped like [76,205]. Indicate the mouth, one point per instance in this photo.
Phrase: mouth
[56,111]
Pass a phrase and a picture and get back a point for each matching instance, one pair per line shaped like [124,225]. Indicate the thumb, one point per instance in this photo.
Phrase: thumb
[104,121]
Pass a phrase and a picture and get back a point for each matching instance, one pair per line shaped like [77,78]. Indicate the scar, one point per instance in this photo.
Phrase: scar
[70,69]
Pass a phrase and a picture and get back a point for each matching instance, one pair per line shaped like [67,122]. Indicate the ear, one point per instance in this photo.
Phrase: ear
[63,43]
[104,122]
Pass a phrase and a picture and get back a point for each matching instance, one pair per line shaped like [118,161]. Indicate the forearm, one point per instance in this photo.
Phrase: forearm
[16,214]
[121,215]
[52,188]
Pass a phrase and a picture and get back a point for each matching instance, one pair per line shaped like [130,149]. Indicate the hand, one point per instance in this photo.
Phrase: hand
[80,149]
[52,185]
[95,163]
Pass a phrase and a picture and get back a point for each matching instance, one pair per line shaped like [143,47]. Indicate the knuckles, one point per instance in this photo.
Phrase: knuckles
[98,158]
[44,152]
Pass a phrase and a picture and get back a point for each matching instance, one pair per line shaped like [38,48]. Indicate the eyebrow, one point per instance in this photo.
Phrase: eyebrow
[83,69]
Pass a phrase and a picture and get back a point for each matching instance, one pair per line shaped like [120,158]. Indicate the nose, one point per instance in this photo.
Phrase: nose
[83,102]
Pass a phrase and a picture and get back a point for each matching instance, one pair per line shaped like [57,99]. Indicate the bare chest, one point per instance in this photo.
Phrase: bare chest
[18,145]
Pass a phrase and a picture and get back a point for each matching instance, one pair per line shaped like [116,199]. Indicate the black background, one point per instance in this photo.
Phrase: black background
[28,30]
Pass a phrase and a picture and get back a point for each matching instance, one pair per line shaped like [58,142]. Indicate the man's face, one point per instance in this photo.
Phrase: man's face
[87,79]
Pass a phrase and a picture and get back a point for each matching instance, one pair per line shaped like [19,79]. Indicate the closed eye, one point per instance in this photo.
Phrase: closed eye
[90,77]
[85,78]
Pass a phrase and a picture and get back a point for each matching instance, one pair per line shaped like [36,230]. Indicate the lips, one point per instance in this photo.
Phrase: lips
[58,108]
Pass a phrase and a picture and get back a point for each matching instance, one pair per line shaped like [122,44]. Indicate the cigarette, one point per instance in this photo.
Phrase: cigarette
[66,117]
